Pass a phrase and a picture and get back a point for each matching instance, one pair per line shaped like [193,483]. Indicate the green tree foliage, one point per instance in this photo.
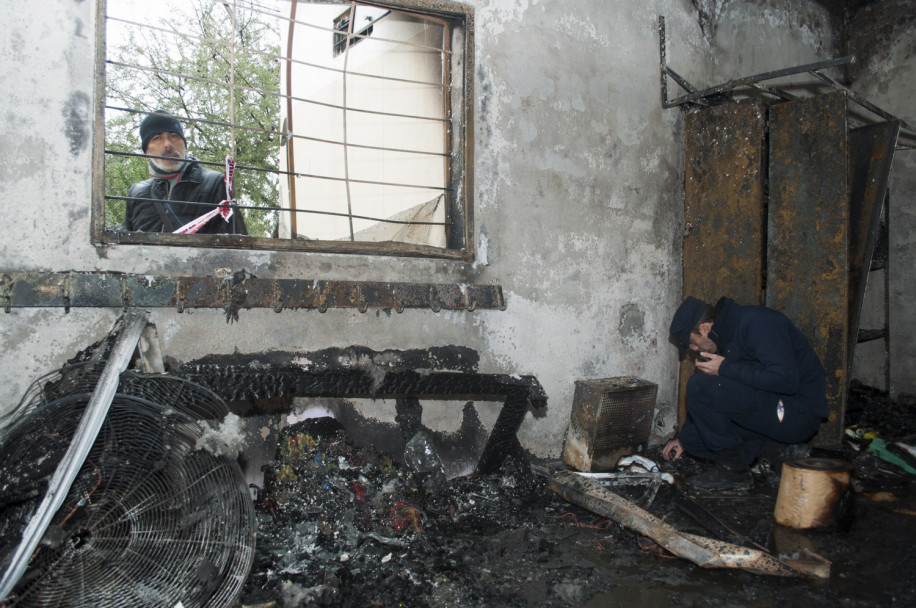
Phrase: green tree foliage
[186,67]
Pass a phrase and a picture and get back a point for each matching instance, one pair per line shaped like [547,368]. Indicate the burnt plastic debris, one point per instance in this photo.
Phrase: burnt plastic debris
[364,528]
[503,539]
[871,408]
[892,454]
[424,463]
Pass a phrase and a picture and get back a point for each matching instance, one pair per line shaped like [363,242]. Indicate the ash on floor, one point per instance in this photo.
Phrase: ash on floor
[341,526]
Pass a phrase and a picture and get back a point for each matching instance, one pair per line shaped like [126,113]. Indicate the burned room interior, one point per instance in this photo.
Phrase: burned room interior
[435,365]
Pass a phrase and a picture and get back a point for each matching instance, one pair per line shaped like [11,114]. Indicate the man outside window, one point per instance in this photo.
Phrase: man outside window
[169,200]
[760,384]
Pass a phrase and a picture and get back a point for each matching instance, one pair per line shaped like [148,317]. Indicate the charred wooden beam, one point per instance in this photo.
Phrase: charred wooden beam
[236,383]
[705,552]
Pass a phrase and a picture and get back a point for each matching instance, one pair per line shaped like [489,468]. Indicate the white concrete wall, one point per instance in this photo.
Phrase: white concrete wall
[579,198]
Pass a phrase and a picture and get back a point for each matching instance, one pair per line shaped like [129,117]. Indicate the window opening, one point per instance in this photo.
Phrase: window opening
[344,36]
[348,122]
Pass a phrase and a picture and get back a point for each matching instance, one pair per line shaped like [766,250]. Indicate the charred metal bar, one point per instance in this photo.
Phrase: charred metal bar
[663,59]
[685,85]
[907,132]
[773,91]
[862,101]
[241,290]
[695,96]
[666,71]
[680,80]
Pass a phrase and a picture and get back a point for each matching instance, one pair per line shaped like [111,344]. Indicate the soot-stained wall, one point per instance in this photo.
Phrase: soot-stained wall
[578,200]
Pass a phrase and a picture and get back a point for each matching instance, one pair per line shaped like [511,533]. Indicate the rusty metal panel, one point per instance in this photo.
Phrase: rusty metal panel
[724,207]
[871,152]
[724,211]
[807,263]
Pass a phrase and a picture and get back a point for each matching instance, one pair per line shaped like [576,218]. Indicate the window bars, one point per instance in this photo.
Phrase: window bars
[333,142]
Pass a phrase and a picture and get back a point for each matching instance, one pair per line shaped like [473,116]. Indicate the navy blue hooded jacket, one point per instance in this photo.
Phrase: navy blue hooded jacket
[764,350]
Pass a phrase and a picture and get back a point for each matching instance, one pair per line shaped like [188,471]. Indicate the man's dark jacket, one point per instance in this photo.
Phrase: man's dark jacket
[764,350]
[197,185]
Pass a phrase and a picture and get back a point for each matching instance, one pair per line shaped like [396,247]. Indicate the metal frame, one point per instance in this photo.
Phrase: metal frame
[702,97]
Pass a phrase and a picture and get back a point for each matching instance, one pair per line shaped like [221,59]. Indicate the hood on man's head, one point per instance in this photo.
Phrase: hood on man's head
[686,317]
[160,121]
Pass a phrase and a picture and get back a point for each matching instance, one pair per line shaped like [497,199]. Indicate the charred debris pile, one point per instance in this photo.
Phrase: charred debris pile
[345,526]
[872,409]
[880,437]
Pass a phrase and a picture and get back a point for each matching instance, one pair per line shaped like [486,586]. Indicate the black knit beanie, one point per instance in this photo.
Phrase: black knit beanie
[685,320]
[159,121]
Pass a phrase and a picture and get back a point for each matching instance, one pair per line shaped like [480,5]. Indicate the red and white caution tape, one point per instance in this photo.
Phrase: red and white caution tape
[224,208]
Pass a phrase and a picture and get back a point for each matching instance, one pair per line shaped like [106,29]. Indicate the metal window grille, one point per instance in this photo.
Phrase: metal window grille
[332,144]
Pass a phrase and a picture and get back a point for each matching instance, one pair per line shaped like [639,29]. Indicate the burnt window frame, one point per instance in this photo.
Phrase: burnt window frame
[460,187]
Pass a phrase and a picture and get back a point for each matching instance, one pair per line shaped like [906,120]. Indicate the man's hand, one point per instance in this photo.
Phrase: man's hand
[711,365]
[673,450]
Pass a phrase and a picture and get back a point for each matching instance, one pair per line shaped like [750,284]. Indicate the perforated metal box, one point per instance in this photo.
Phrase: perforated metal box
[610,418]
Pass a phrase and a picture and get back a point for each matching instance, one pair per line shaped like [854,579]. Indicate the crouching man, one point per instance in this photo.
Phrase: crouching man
[759,381]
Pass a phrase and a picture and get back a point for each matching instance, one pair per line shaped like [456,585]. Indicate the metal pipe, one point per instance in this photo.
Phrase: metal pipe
[860,100]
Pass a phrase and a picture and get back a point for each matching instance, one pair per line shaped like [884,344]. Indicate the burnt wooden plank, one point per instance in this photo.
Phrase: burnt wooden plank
[807,261]
[724,207]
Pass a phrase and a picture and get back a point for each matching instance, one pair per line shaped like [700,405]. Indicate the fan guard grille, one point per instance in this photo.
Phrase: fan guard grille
[150,520]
